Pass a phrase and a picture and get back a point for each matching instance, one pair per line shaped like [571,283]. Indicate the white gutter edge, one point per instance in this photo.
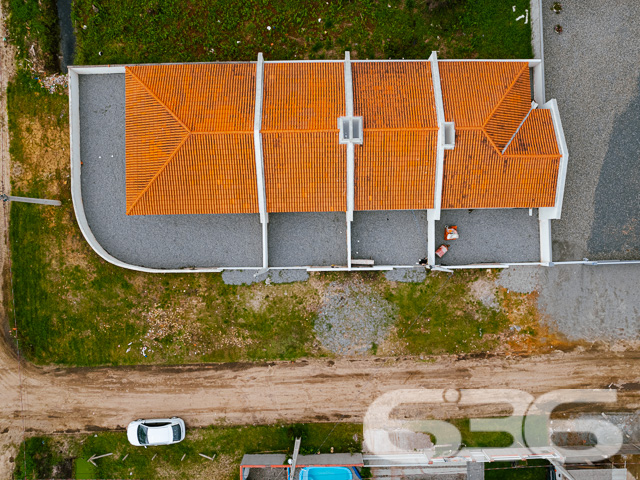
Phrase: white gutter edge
[348,93]
[553,213]
[434,214]
[257,144]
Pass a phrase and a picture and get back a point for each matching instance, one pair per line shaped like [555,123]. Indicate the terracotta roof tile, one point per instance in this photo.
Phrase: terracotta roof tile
[169,169]
[394,94]
[477,176]
[215,97]
[216,175]
[395,170]
[510,112]
[536,136]
[472,90]
[305,172]
[303,96]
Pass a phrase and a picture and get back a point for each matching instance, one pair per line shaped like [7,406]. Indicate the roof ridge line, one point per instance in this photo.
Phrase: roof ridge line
[402,129]
[322,130]
[160,170]
[495,147]
[146,87]
[518,129]
[224,132]
[513,83]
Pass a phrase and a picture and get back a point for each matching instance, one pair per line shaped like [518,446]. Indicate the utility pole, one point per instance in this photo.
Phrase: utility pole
[41,201]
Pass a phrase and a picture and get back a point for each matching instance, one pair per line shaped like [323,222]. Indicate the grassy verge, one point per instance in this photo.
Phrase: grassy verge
[139,31]
[33,29]
[65,456]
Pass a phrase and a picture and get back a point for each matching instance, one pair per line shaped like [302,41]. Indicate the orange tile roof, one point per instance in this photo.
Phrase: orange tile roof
[476,175]
[395,165]
[190,149]
[535,137]
[394,94]
[395,170]
[305,167]
[303,96]
[185,147]
[472,90]
[214,97]
[489,102]
[305,172]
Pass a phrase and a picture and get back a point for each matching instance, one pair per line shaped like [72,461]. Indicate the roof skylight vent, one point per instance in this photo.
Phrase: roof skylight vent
[350,129]
[449,135]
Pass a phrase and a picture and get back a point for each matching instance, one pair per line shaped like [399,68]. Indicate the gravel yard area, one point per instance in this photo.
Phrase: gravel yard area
[307,239]
[395,237]
[166,241]
[592,70]
[583,302]
[353,318]
[490,236]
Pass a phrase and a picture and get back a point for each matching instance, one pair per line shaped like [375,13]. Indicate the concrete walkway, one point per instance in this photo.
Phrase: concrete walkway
[592,70]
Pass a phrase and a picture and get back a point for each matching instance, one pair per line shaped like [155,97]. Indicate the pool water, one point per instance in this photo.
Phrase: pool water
[326,473]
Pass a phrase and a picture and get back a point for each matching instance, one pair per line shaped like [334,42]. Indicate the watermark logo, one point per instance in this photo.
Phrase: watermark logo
[529,423]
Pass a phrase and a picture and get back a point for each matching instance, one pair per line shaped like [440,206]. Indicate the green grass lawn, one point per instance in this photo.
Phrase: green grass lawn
[65,456]
[144,31]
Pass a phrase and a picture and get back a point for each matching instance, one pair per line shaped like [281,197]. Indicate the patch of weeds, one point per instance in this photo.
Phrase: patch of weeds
[229,444]
[437,317]
[34,24]
[40,457]
[202,30]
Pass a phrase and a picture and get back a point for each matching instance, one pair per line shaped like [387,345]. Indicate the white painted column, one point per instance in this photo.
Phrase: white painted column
[434,214]
[257,142]
[348,93]
[546,214]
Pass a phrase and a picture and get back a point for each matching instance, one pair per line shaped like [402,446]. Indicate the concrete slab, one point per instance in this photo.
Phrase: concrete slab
[394,237]
[159,241]
[490,236]
[307,239]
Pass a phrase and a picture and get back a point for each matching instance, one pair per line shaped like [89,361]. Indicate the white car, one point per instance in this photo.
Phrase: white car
[157,431]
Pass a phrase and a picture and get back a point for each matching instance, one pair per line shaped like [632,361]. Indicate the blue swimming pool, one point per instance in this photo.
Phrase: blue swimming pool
[326,473]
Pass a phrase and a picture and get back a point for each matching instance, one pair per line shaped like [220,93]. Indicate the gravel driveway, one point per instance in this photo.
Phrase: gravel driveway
[592,70]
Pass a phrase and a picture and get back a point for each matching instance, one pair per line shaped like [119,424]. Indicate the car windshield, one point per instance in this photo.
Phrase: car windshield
[142,434]
[176,433]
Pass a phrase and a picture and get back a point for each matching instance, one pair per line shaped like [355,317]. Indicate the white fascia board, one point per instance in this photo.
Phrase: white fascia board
[439,175]
[257,144]
[96,70]
[431,238]
[532,61]
[546,256]
[553,213]
[348,94]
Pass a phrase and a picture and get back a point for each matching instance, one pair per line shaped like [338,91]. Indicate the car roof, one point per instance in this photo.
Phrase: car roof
[162,434]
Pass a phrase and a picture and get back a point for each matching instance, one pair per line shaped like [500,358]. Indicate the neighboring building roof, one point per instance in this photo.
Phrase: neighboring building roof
[396,164]
[305,167]
[490,104]
[190,137]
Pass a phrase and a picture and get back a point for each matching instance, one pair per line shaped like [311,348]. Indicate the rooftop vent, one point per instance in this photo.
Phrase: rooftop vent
[350,129]
[449,135]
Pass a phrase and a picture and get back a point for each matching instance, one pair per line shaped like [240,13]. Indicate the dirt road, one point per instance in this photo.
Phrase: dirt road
[85,399]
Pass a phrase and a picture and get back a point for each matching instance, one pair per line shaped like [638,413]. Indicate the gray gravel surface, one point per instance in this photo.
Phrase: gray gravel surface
[395,237]
[307,239]
[490,236]
[583,302]
[158,241]
[247,277]
[352,318]
[415,275]
[592,71]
